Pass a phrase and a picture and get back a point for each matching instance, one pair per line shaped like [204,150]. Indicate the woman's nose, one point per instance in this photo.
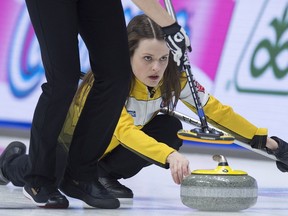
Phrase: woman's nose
[156,66]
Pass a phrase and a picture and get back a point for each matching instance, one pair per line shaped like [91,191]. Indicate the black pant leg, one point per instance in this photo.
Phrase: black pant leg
[103,29]
[164,129]
[122,163]
[105,36]
[56,27]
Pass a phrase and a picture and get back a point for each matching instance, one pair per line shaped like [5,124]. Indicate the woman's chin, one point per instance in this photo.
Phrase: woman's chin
[152,83]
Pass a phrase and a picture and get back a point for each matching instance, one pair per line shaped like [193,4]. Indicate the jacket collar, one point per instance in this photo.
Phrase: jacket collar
[141,87]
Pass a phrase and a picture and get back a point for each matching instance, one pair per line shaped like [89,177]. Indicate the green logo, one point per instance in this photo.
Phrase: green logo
[263,66]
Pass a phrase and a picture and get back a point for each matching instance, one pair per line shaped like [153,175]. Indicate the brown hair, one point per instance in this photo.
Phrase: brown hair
[142,27]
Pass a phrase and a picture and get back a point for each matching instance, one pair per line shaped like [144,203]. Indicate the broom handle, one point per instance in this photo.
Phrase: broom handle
[190,79]
[170,9]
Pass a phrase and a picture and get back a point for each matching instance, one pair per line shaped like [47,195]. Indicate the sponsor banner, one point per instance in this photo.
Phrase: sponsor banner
[262,66]
[205,21]
[253,75]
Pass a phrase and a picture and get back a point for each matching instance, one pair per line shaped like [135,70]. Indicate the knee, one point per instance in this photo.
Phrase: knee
[175,125]
[176,144]
[170,127]
[171,123]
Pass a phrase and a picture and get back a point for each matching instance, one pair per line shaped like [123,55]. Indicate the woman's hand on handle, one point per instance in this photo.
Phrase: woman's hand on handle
[179,166]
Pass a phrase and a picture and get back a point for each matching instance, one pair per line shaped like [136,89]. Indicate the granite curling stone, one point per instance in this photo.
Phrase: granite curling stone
[221,189]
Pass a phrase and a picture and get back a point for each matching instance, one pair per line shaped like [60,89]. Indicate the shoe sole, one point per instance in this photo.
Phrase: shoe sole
[14,144]
[44,205]
[121,196]
[126,193]
[74,192]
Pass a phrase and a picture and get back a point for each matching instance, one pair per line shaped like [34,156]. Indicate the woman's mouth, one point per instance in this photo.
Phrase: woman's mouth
[153,77]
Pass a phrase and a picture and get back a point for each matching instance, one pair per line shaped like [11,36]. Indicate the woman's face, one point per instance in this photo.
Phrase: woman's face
[150,60]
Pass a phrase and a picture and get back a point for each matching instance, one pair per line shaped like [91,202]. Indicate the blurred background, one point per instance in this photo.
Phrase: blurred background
[240,55]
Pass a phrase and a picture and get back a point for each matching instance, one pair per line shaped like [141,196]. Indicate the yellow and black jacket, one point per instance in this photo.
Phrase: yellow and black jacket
[141,107]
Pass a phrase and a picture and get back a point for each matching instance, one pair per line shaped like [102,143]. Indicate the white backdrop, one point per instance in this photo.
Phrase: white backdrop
[261,99]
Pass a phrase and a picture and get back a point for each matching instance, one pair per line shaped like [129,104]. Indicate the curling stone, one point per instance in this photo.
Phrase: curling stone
[221,189]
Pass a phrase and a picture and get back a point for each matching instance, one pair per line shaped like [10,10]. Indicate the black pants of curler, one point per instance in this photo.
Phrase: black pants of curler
[102,27]
[123,163]
[120,163]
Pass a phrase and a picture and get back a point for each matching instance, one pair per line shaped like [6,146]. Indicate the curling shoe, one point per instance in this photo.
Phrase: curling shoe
[281,153]
[92,193]
[13,150]
[115,188]
[46,197]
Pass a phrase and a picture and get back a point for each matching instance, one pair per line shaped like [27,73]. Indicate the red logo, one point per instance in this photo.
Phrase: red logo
[199,87]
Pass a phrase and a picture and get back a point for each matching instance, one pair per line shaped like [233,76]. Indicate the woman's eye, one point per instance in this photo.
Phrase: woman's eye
[165,58]
[147,58]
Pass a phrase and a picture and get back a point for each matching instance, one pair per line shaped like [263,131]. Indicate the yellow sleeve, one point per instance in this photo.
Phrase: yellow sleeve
[224,118]
[134,139]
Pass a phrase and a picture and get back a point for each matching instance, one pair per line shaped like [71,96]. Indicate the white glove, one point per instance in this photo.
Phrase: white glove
[178,42]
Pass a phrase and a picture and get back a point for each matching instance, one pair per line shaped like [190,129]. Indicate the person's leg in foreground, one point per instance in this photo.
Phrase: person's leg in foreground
[56,24]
